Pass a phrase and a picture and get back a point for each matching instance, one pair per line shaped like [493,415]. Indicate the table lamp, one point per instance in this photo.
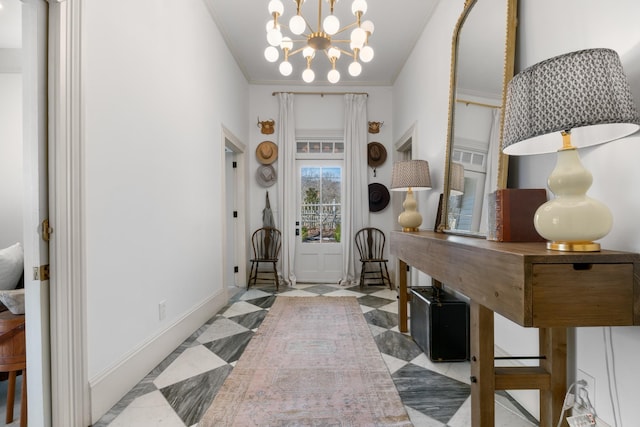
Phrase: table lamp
[583,94]
[410,175]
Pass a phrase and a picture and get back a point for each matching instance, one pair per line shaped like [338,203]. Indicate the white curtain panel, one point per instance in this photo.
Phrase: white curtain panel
[355,202]
[287,186]
[491,177]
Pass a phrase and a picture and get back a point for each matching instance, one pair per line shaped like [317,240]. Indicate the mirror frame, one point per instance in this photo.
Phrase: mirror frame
[511,19]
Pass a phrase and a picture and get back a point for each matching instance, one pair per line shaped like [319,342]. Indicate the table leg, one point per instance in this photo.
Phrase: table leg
[402,297]
[553,345]
[482,366]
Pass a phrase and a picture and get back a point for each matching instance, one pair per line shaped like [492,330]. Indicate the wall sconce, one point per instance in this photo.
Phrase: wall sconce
[410,175]
[584,94]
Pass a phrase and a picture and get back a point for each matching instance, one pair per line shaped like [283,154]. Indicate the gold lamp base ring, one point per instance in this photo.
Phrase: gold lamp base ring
[574,246]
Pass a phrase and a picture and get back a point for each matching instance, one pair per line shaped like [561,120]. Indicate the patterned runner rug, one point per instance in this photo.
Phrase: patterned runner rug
[312,362]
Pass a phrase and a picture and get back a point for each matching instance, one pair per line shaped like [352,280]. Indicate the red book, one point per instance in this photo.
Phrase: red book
[514,212]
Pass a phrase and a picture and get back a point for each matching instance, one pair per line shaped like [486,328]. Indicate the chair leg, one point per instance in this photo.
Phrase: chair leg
[362,275]
[11,396]
[255,273]
[275,275]
[386,272]
[250,275]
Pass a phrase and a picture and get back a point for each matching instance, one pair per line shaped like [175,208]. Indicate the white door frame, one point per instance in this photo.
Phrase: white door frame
[69,379]
[240,224]
[36,250]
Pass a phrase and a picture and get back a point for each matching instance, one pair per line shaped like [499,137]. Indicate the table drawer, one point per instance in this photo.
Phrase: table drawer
[565,295]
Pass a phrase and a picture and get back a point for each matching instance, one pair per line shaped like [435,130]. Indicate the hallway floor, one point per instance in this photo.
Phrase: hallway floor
[178,391]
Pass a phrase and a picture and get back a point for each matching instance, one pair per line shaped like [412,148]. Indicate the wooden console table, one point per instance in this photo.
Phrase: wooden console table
[533,287]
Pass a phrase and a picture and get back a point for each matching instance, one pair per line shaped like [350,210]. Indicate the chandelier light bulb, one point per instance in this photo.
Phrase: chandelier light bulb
[308,75]
[366,54]
[297,25]
[308,52]
[359,6]
[270,26]
[285,68]
[274,37]
[368,27]
[286,43]
[334,52]
[333,76]
[355,69]
[276,6]
[271,54]
[331,24]
[358,37]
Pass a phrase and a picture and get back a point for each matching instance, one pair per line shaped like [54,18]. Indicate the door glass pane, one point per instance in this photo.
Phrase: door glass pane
[320,208]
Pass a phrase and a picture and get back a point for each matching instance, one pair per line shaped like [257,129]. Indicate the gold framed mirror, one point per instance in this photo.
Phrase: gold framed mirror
[482,63]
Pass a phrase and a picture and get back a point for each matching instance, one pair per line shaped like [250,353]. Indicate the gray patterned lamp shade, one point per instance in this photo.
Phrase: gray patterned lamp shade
[410,173]
[585,92]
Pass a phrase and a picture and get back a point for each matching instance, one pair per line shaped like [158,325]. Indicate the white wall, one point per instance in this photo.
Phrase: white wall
[317,113]
[11,189]
[154,110]
[421,97]
[549,28]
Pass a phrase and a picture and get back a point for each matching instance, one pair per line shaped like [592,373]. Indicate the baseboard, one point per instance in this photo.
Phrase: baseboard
[110,386]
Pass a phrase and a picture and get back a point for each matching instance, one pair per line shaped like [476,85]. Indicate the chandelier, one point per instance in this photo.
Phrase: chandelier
[319,40]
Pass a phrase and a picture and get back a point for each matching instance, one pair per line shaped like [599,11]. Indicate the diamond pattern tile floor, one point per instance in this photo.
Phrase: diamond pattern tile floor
[181,388]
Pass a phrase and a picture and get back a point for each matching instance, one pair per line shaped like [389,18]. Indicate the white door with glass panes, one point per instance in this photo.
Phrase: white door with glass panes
[319,246]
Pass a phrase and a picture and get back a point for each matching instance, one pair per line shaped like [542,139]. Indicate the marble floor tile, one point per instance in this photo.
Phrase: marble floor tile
[384,319]
[429,392]
[253,293]
[373,301]
[397,345]
[220,328]
[262,302]
[230,348]
[297,293]
[250,320]
[191,362]
[503,417]
[460,371]
[240,307]
[393,363]
[391,307]
[421,420]
[376,330]
[192,397]
[344,293]
[149,410]
[386,293]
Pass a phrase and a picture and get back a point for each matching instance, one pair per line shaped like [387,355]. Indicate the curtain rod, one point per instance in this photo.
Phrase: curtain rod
[464,101]
[322,93]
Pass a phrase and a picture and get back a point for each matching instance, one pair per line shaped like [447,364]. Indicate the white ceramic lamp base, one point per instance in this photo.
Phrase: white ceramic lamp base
[410,219]
[572,220]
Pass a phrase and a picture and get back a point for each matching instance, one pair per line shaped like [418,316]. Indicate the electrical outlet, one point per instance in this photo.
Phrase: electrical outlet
[585,393]
[162,310]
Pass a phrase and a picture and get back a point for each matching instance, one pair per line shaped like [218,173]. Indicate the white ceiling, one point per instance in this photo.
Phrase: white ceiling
[398,25]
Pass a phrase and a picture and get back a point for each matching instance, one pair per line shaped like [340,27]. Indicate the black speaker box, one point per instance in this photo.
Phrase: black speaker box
[440,324]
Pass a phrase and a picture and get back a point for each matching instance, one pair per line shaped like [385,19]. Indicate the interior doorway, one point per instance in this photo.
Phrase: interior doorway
[234,212]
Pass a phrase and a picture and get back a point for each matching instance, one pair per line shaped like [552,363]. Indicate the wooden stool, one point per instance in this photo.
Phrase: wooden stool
[13,358]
